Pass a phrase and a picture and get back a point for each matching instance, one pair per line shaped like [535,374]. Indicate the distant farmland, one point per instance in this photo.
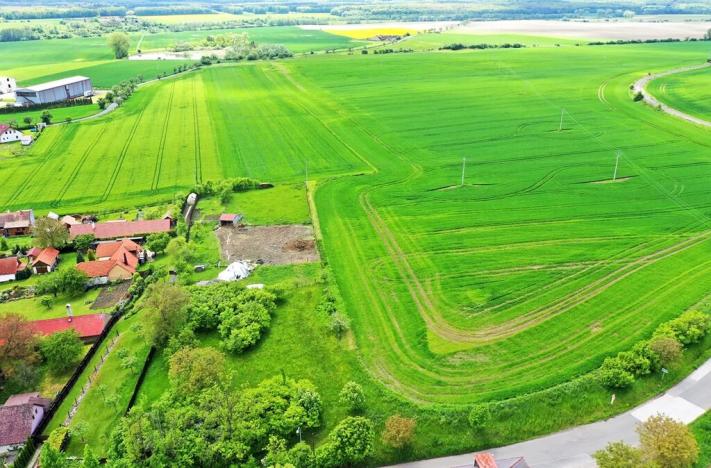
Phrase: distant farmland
[528,274]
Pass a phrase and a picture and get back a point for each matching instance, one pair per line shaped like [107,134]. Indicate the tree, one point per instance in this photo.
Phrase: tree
[83,242]
[17,345]
[339,325]
[242,327]
[68,119]
[613,375]
[80,430]
[119,44]
[27,120]
[61,350]
[157,242]
[195,369]
[619,455]
[46,302]
[479,415]
[49,232]
[165,306]
[399,431]
[89,460]
[352,397]
[350,442]
[668,349]
[71,282]
[46,118]
[3,244]
[668,443]
[101,102]
[52,458]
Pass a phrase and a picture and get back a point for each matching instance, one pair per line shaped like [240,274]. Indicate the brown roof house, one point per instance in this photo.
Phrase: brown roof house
[16,223]
[43,260]
[9,267]
[119,229]
[19,417]
[115,261]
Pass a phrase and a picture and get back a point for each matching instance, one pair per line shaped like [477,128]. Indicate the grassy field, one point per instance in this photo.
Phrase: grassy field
[689,92]
[520,278]
[702,430]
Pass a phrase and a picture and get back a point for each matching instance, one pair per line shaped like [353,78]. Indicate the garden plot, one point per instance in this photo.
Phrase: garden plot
[277,245]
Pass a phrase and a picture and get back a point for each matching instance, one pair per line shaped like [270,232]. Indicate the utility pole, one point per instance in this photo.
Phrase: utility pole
[617,163]
[464,165]
[560,126]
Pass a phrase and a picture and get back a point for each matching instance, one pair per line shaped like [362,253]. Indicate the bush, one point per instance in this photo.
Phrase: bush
[61,350]
[689,328]
[619,455]
[638,96]
[479,415]
[352,397]
[613,375]
[667,349]
[339,325]
[399,431]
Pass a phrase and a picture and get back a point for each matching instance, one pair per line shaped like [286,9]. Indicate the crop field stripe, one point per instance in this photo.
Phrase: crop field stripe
[122,156]
[163,136]
[196,125]
[77,168]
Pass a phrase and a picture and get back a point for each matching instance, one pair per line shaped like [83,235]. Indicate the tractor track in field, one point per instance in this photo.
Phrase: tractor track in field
[163,137]
[49,155]
[122,155]
[198,155]
[77,168]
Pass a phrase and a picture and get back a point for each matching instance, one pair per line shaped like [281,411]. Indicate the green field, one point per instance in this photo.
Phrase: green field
[689,92]
[527,275]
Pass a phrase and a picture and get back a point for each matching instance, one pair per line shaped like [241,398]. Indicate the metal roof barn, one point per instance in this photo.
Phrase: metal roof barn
[54,91]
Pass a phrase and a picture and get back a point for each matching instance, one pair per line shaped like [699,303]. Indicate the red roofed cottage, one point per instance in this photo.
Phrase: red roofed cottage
[89,327]
[8,268]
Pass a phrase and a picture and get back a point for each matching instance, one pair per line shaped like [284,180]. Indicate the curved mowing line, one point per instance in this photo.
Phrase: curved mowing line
[198,156]
[122,156]
[161,146]
[78,167]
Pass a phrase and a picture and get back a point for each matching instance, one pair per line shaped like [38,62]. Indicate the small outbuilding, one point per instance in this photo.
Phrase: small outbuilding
[44,261]
[9,267]
[228,219]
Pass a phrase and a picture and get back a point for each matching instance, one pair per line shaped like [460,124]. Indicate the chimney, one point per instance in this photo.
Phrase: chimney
[70,313]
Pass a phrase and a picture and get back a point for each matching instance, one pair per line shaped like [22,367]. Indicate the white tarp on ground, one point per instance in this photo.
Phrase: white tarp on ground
[235,271]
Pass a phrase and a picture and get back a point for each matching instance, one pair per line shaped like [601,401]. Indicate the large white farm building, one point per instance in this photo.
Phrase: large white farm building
[54,91]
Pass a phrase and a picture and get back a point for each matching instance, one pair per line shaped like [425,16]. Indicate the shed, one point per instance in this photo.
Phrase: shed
[55,91]
[228,219]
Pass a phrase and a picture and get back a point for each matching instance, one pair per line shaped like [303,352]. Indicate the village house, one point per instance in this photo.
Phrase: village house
[89,327]
[19,417]
[228,219]
[115,261]
[120,229]
[9,267]
[9,134]
[16,223]
[43,260]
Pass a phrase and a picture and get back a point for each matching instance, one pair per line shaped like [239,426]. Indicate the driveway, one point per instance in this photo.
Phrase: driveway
[574,447]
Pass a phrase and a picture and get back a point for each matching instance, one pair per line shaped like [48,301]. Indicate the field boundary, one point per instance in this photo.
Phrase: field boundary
[641,85]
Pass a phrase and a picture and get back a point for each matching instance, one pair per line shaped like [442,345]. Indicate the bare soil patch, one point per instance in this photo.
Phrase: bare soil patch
[110,296]
[268,244]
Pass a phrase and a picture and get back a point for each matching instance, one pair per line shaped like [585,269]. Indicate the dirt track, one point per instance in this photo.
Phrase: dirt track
[639,87]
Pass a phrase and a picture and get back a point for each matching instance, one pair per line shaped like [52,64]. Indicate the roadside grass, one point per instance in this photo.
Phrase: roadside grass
[282,204]
[702,431]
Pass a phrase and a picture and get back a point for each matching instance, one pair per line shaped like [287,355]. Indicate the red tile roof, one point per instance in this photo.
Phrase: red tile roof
[228,217]
[107,249]
[16,424]
[115,229]
[484,460]
[48,256]
[17,218]
[88,326]
[34,252]
[99,268]
[3,128]
[9,265]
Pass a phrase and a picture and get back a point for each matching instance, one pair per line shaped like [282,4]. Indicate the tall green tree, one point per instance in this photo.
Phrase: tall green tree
[119,43]
[49,232]
[61,351]
[166,311]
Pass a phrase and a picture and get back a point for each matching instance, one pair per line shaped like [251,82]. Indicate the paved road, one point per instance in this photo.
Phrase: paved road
[573,448]
[652,101]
